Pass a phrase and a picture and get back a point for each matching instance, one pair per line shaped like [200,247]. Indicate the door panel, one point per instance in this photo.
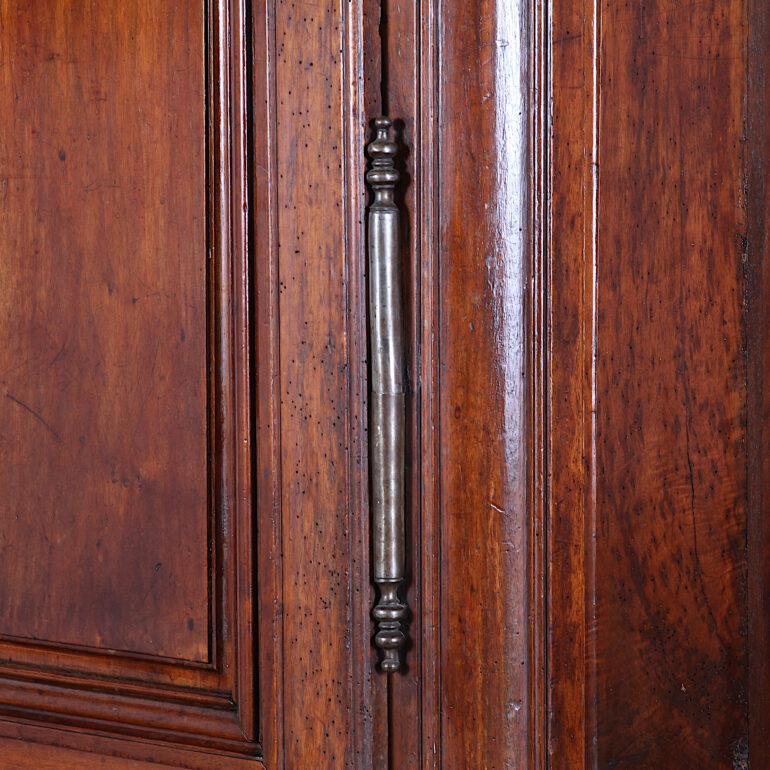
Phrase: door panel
[669,433]
[105,392]
[185,537]
[647,386]
[185,566]
[127,594]
[611,611]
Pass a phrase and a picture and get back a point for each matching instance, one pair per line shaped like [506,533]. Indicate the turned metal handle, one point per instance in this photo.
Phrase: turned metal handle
[386,401]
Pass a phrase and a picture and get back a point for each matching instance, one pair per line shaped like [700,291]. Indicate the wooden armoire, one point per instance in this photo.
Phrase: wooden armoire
[439,441]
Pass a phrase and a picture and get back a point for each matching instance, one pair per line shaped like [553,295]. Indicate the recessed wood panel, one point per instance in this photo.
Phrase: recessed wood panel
[103,313]
[129,602]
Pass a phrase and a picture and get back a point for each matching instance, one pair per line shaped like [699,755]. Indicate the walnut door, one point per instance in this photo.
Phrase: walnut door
[181,488]
[185,572]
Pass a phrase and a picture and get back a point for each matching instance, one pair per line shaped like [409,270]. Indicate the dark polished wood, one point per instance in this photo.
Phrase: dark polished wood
[186,373]
[186,572]
[642,337]
[646,386]
[757,298]
[482,244]
[462,96]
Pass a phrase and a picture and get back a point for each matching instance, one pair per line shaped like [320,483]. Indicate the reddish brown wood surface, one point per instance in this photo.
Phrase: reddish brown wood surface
[128,594]
[319,139]
[135,188]
[566,221]
[184,306]
[31,747]
[758,359]
[647,377]
[21,756]
[474,215]
[670,389]
[104,312]
[467,678]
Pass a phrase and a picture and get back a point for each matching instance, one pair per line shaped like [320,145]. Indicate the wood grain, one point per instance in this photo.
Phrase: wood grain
[648,487]
[145,274]
[758,378]
[638,434]
[319,161]
[32,747]
[19,756]
[249,131]
[456,76]
[565,274]
[483,249]
[104,309]
[671,389]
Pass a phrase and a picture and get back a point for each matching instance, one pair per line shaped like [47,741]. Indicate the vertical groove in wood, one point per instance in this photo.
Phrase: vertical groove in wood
[539,63]
[427,342]
[401,83]
[267,381]
[369,691]
[245,554]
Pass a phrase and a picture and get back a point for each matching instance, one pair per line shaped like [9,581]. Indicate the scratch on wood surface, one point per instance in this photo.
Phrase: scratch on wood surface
[31,411]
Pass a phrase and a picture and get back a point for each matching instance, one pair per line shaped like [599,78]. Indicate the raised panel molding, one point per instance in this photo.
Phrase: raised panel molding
[208,704]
